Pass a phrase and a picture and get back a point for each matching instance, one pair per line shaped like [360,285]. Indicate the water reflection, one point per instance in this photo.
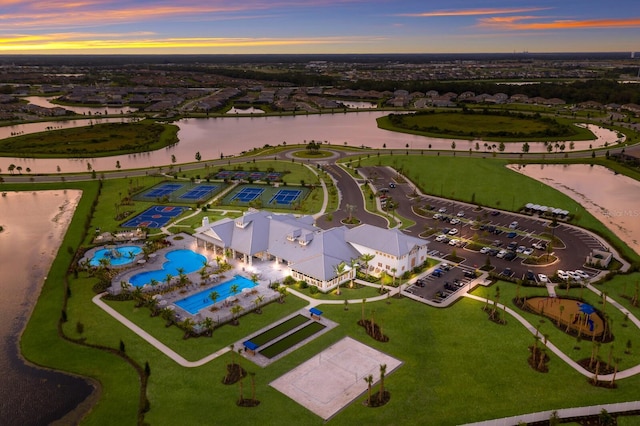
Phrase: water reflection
[613,199]
[213,137]
[46,103]
[34,224]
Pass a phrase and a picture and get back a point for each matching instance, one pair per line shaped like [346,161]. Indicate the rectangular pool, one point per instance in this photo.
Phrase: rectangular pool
[194,303]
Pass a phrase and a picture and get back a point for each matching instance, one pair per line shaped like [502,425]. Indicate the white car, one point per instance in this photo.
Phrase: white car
[574,276]
[440,237]
[540,245]
[521,249]
[453,231]
[501,254]
[562,274]
[442,210]
[454,242]
[513,225]
[528,251]
[437,216]
[543,278]
[460,214]
[454,221]
[581,273]
[485,250]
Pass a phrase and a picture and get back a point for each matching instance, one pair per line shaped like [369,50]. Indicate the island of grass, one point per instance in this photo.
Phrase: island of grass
[486,124]
[96,140]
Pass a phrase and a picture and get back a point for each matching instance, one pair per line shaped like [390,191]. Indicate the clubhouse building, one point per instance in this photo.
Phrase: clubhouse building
[323,258]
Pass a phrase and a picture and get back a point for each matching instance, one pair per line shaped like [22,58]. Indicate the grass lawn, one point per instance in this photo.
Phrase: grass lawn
[458,367]
[494,126]
[98,140]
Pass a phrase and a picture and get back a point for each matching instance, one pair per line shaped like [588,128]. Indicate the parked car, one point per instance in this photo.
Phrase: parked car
[460,214]
[510,256]
[512,245]
[507,272]
[521,249]
[529,276]
[453,231]
[454,221]
[469,274]
[511,235]
[513,225]
[528,251]
[582,274]
[437,216]
[485,250]
[543,278]
[442,210]
[562,274]
[501,254]
[540,245]
[495,213]
[440,238]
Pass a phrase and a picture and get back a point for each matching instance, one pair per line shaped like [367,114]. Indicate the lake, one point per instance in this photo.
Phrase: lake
[614,199]
[216,136]
[34,224]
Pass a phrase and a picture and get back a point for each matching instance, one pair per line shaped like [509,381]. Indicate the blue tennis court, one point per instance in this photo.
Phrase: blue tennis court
[285,196]
[198,192]
[154,217]
[248,194]
[162,190]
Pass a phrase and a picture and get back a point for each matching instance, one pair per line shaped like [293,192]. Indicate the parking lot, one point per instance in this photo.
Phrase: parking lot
[456,225]
[442,282]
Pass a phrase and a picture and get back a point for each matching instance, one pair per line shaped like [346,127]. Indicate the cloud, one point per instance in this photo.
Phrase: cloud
[84,41]
[519,23]
[474,12]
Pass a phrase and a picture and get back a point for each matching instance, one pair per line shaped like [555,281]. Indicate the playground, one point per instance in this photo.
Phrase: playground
[572,314]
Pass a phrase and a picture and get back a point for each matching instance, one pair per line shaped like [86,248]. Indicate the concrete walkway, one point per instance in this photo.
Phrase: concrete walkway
[152,340]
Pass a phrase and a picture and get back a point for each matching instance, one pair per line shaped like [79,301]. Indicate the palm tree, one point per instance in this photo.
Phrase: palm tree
[168,278]
[339,270]
[257,302]
[353,263]
[253,386]
[383,370]
[393,276]
[234,289]
[188,324]
[208,325]
[283,292]
[366,258]
[214,296]
[254,278]
[137,296]
[235,310]
[369,380]
[153,282]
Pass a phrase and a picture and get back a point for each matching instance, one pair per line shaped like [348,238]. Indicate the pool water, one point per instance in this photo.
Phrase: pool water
[201,300]
[188,260]
[117,256]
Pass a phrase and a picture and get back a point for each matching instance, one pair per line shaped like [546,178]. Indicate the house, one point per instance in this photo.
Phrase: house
[322,258]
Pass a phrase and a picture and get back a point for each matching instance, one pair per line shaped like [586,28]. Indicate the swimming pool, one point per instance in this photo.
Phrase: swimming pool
[188,260]
[117,256]
[201,300]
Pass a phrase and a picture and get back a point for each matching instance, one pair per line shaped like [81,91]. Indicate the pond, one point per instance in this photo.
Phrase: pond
[34,224]
[46,102]
[614,199]
[216,136]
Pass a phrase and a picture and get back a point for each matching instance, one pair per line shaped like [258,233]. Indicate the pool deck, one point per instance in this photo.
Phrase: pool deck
[221,312]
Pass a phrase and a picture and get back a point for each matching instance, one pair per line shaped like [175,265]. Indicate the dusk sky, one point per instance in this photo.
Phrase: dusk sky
[317,26]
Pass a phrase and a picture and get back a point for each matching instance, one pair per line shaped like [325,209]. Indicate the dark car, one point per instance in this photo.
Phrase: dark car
[511,235]
[510,256]
[529,276]
[507,272]
[495,213]
[469,274]
[493,252]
